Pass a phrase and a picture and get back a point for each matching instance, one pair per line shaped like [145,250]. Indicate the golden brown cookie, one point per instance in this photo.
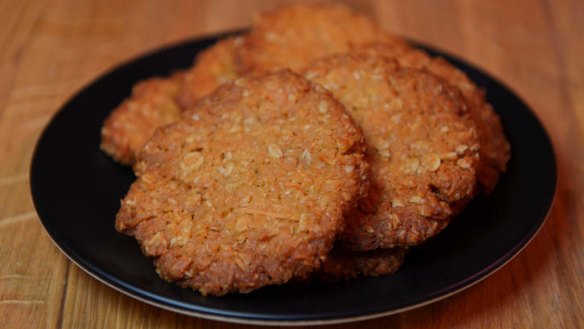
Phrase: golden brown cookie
[345,265]
[250,188]
[213,67]
[494,149]
[422,147]
[151,105]
[159,101]
[294,35]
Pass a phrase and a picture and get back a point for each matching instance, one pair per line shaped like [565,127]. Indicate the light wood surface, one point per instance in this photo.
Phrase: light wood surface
[51,49]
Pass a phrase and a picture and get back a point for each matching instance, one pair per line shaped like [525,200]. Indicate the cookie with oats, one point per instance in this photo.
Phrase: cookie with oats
[422,147]
[343,265]
[151,105]
[250,188]
[212,67]
[294,35]
[157,102]
[494,148]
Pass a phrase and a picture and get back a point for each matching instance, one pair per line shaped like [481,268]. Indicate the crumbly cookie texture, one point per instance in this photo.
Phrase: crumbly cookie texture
[151,105]
[494,149]
[157,102]
[422,147]
[212,68]
[342,265]
[294,35]
[250,188]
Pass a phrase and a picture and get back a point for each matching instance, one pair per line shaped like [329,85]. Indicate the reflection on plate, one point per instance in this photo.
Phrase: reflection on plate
[76,190]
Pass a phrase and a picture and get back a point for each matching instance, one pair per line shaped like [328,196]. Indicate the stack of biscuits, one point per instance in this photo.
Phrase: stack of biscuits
[317,146]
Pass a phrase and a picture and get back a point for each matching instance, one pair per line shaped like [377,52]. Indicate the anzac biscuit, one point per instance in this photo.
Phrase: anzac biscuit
[422,148]
[294,35]
[151,105]
[213,67]
[345,265]
[159,101]
[494,149]
[250,188]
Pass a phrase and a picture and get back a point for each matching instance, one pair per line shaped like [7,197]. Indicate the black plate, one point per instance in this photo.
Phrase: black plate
[76,191]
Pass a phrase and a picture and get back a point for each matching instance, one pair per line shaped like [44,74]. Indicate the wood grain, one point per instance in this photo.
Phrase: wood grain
[50,49]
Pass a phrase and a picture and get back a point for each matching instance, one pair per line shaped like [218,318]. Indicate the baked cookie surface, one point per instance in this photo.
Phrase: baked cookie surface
[213,66]
[156,102]
[250,188]
[343,265]
[151,105]
[294,35]
[494,148]
[422,147]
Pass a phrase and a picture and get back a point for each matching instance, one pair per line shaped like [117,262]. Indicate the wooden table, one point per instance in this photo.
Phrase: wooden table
[51,49]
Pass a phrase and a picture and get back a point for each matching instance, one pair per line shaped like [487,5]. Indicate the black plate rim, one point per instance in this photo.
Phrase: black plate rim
[266,319]
[233,317]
